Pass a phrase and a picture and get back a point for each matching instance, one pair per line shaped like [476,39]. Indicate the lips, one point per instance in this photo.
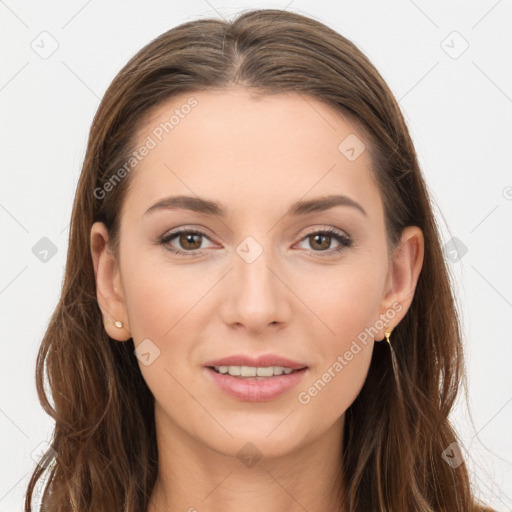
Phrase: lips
[261,361]
[255,389]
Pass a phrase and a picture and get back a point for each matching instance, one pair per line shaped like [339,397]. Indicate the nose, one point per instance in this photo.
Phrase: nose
[256,295]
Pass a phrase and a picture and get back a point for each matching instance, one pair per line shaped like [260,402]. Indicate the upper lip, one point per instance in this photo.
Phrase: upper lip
[261,361]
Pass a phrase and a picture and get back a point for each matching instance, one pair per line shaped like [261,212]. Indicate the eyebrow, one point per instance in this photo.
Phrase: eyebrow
[208,207]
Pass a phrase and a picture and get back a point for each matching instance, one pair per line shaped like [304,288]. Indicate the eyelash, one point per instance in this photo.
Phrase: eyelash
[344,241]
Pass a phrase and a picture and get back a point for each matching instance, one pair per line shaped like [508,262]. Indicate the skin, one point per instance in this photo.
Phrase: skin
[256,156]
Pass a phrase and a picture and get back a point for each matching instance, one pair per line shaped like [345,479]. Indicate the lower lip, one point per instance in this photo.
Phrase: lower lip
[253,389]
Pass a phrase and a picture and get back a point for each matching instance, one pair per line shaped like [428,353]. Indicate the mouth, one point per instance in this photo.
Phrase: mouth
[255,379]
[254,383]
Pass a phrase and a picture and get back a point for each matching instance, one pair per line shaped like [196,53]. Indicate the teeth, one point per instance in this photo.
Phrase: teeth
[252,371]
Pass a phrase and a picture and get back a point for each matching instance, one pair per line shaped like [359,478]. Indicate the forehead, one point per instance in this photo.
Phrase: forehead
[241,148]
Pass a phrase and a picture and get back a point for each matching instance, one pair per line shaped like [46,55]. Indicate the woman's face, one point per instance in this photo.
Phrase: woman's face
[262,279]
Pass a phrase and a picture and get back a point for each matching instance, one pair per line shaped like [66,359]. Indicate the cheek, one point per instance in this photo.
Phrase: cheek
[342,364]
[335,384]
[151,308]
[345,303]
[157,294]
[160,308]
[348,307]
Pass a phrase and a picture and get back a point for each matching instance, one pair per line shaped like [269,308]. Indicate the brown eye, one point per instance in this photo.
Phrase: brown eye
[188,242]
[320,241]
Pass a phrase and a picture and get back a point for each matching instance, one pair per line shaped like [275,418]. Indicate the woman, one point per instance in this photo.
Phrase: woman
[256,312]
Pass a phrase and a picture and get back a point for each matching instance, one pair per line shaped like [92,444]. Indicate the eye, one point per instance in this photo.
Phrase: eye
[322,240]
[189,239]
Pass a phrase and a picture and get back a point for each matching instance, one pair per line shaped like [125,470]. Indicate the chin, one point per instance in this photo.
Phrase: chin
[269,439]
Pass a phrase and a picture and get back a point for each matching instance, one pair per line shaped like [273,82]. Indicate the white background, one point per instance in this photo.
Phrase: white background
[459,111]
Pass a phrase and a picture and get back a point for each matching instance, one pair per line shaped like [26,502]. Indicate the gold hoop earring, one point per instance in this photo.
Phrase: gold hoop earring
[394,362]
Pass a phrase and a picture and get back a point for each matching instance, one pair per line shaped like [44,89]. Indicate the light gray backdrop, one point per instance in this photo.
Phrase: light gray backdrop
[449,65]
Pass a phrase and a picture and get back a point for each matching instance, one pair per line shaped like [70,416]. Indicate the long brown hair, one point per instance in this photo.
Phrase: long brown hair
[103,453]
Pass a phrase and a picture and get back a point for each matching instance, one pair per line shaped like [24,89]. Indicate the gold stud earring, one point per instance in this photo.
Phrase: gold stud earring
[388,334]
[117,323]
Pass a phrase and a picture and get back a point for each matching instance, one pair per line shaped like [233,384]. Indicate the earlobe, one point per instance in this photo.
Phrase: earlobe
[108,286]
[406,266]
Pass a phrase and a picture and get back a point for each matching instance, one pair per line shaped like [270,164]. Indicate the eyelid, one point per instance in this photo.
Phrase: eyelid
[323,229]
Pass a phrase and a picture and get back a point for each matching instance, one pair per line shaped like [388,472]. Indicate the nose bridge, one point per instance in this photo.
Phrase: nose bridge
[253,263]
[257,297]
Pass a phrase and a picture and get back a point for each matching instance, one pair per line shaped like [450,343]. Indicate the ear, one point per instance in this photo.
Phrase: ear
[109,291]
[405,268]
